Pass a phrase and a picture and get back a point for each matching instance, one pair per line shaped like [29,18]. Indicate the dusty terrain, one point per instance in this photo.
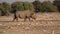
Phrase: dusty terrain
[46,23]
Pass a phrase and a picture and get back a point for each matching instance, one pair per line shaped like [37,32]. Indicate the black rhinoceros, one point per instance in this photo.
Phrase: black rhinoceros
[24,15]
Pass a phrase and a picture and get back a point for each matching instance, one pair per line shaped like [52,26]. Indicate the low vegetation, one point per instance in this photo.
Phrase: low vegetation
[35,6]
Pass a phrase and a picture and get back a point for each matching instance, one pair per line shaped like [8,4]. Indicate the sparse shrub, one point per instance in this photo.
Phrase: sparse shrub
[57,3]
[5,8]
[17,6]
[49,7]
[37,6]
[0,13]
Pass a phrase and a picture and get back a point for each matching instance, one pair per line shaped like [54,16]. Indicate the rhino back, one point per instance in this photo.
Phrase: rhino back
[23,14]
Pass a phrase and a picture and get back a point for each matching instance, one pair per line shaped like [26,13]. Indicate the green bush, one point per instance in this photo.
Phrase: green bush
[6,6]
[17,6]
[37,6]
[49,7]
[0,13]
[57,3]
[28,6]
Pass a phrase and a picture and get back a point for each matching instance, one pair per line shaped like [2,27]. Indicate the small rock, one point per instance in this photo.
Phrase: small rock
[4,24]
[37,23]
[22,23]
[11,27]
[44,30]
[18,24]
[26,28]
[14,24]
[51,22]
[0,24]
[33,24]
[4,31]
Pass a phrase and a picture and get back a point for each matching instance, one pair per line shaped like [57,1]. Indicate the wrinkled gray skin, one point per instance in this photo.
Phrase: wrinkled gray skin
[24,15]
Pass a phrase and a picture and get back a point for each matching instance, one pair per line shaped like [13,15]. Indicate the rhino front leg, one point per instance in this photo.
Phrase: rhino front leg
[17,19]
[34,19]
[29,19]
[14,19]
[25,19]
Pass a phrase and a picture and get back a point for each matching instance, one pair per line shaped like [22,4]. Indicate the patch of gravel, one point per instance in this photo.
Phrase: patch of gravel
[46,23]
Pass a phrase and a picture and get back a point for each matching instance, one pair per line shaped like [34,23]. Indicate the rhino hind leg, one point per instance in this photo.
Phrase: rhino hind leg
[34,19]
[29,19]
[15,18]
[25,19]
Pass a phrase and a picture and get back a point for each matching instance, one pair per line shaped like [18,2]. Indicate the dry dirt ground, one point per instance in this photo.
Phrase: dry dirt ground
[46,23]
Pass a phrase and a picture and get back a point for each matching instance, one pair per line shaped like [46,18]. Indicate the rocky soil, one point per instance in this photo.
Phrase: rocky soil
[46,23]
